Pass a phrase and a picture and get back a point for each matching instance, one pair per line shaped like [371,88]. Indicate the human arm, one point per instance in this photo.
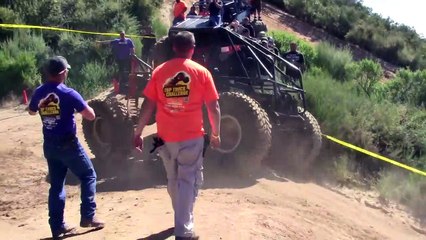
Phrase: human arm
[104,42]
[147,109]
[213,109]
[302,62]
[132,47]
[82,107]
[33,105]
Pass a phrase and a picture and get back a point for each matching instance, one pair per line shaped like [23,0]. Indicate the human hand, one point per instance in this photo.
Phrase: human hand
[214,141]
[138,142]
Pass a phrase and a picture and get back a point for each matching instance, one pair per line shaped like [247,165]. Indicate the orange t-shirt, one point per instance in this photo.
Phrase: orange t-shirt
[180,87]
[178,10]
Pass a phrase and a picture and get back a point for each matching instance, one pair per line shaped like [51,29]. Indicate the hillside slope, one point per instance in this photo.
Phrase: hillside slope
[277,19]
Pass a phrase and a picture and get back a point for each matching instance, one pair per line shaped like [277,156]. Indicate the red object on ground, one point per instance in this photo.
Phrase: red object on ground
[116,85]
[24,97]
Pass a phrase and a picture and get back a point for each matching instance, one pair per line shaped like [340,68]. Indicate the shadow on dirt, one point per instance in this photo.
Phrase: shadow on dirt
[165,234]
[71,235]
[145,170]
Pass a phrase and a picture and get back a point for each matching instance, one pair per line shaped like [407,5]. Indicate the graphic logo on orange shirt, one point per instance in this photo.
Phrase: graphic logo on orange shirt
[176,90]
[177,86]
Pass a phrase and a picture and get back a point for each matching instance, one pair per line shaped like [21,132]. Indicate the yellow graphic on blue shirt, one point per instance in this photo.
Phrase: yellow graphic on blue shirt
[49,105]
[177,86]
[49,110]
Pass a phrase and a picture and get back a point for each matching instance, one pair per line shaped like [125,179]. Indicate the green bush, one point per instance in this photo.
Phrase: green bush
[407,87]
[93,78]
[7,16]
[367,75]
[337,62]
[393,130]
[20,60]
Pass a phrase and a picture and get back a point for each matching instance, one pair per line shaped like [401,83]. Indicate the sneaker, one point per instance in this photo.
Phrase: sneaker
[194,237]
[94,223]
[65,230]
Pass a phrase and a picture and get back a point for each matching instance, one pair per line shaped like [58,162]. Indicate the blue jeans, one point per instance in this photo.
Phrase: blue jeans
[62,155]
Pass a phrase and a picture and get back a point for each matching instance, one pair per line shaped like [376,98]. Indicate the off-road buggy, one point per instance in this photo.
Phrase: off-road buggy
[261,99]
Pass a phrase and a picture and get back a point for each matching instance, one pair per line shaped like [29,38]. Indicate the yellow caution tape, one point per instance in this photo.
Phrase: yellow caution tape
[23,26]
[348,145]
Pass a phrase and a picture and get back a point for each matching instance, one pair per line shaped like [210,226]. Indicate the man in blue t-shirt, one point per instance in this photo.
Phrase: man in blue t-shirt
[56,105]
[122,48]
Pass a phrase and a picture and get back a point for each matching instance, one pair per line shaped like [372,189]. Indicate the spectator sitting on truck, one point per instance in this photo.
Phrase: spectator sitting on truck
[215,10]
[246,23]
[261,35]
[271,45]
[236,27]
[246,33]
[192,12]
[179,12]
[148,42]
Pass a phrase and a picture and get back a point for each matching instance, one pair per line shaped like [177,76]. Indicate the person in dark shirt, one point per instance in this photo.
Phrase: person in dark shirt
[256,7]
[295,57]
[192,12]
[215,10]
[246,23]
[122,48]
[148,42]
[56,104]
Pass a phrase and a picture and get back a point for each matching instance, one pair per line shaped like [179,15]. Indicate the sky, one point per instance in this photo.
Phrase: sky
[408,12]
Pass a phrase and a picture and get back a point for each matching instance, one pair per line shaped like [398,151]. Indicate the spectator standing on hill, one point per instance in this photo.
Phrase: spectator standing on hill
[178,90]
[56,104]
[179,12]
[295,57]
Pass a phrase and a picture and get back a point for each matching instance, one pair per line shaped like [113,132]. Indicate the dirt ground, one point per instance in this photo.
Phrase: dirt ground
[134,202]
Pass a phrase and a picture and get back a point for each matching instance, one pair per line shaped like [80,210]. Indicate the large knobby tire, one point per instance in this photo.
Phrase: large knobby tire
[109,136]
[296,151]
[245,132]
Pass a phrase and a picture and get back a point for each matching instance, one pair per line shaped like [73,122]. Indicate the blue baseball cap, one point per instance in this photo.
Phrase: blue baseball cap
[57,65]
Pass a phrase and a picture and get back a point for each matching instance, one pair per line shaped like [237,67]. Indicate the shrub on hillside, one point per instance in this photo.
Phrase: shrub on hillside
[337,62]
[392,130]
[407,87]
[7,16]
[367,75]
[20,60]
[93,78]
[79,49]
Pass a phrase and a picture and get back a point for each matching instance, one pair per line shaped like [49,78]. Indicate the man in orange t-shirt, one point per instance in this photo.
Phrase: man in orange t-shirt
[179,12]
[178,90]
